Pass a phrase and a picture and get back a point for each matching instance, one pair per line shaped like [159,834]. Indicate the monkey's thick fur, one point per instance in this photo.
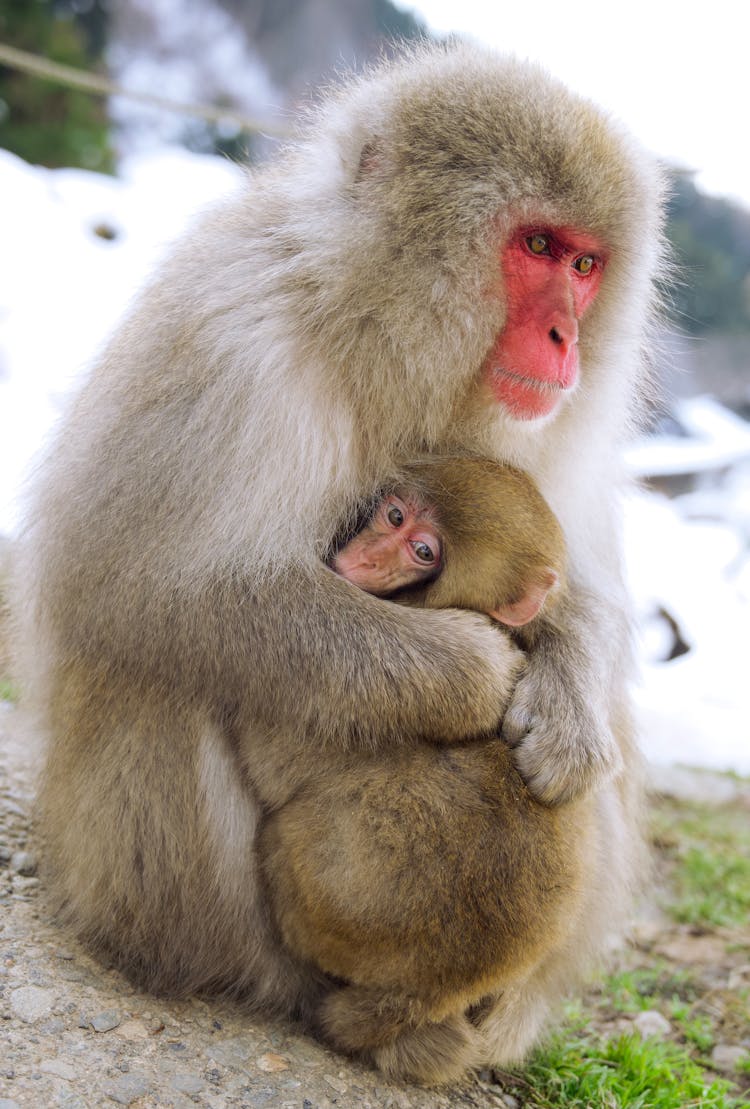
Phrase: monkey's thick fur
[382,868]
[189,654]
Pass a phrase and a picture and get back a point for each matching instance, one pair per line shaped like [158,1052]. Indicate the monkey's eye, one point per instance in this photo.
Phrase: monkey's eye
[423,552]
[395,516]
[584,264]
[538,244]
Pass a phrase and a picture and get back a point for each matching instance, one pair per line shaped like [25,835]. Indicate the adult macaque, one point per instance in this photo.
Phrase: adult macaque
[457,257]
[427,878]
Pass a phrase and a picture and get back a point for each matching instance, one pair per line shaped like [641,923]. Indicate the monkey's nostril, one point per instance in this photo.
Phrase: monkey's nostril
[555,336]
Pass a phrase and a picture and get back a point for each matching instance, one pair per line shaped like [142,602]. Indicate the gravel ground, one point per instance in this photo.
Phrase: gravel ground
[76,1035]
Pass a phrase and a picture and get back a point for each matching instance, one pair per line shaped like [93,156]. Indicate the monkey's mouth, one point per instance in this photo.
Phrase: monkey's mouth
[525,398]
[529,382]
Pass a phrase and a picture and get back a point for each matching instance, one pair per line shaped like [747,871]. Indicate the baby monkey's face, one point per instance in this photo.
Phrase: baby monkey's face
[399,547]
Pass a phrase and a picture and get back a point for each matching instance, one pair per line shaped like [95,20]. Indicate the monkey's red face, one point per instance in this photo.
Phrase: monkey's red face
[551,278]
[399,547]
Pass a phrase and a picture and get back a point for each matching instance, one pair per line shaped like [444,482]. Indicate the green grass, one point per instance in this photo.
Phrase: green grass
[577,1070]
[594,1061]
[711,850]
[639,988]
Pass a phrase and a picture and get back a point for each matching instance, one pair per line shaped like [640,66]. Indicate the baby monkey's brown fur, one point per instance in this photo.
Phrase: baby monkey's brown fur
[428,879]
[499,537]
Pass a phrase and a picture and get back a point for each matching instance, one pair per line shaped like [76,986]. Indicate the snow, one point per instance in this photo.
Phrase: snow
[63,287]
[710,438]
[160,53]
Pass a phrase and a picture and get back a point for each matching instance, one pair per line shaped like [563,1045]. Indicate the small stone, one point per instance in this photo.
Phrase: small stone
[510,1102]
[271,1062]
[23,885]
[30,1003]
[188,1084]
[693,950]
[133,1030]
[8,1103]
[24,863]
[54,1027]
[651,1024]
[106,1021]
[127,1089]
[59,1068]
[61,953]
[336,1084]
[739,977]
[5,854]
[725,1057]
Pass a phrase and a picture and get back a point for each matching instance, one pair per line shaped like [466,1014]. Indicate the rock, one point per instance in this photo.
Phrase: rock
[133,1030]
[651,1023]
[106,1021]
[8,1103]
[24,863]
[725,1057]
[30,1003]
[127,1089]
[189,1084]
[693,950]
[232,1052]
[739,978]
[336,1083]
[59,1068]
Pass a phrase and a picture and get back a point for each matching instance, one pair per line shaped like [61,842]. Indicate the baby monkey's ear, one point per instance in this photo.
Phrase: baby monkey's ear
[519,612]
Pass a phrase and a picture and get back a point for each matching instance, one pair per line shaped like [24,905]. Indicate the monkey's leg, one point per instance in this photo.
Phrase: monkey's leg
[397,1035]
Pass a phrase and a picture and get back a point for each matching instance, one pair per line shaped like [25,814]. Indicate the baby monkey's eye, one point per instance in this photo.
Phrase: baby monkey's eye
[395,516]
[423,552]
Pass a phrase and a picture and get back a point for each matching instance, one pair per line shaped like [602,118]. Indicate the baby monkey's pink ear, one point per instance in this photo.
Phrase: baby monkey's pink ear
[517,613]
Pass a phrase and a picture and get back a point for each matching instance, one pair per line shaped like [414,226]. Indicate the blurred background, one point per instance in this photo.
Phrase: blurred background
[104,161]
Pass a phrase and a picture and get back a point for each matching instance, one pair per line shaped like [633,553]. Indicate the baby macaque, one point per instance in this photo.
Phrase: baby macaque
[467,533]
[429,880]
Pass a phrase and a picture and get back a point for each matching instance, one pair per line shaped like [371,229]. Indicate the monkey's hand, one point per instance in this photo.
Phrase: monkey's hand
[558,719]
[475,689]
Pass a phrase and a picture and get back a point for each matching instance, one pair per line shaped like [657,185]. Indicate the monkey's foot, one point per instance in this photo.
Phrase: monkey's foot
[394,1034]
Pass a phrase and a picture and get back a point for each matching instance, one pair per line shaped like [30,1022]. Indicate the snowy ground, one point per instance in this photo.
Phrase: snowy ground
[74,246]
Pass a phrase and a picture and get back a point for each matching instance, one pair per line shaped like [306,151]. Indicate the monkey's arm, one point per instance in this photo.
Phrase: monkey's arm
[337,665]
[301,653]
[559,720]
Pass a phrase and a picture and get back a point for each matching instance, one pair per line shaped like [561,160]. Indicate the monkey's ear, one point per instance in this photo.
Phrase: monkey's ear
[370,159]
[517,613]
